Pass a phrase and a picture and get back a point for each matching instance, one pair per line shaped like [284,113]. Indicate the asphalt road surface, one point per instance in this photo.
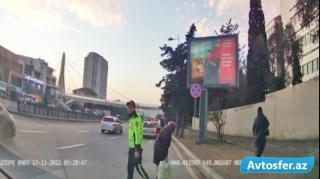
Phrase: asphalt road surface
[50,149]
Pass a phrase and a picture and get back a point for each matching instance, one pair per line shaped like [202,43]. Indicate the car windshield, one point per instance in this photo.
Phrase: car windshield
[84,84]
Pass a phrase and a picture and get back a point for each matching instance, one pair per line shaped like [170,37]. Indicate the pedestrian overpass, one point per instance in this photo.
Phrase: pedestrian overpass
[68,97]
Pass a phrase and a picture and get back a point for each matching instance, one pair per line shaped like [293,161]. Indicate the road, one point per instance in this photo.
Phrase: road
[99,155]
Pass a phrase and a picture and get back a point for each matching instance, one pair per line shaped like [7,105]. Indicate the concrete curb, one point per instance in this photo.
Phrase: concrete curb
[46,117]
[207,171]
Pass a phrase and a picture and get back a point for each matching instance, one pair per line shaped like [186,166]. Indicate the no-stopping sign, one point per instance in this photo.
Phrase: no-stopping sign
[195,90]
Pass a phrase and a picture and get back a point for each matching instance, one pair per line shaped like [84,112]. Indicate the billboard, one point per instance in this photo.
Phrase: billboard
[213,61]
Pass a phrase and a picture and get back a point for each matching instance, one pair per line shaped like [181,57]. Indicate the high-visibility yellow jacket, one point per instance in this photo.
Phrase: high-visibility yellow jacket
[135,133]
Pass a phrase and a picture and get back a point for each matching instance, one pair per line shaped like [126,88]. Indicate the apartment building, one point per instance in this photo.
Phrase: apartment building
[95,74]
[310,60]
[270,27]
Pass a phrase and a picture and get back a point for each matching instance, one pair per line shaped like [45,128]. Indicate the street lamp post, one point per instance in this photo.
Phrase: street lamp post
[171,39]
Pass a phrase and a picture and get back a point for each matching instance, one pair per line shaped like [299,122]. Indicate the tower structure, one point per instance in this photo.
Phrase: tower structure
[61,82]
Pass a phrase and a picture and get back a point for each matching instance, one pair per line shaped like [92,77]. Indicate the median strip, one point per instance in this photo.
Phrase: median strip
[71,146]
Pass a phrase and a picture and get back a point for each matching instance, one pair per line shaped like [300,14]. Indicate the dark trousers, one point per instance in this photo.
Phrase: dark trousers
[260,144]
[135,162]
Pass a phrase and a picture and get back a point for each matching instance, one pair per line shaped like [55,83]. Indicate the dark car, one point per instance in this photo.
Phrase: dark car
[7,125]
[151,129]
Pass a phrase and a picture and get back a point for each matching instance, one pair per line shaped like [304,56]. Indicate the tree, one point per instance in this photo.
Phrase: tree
[276,57]
[308,11]
[175,97]
[293,53]
[219,120]
[258,69]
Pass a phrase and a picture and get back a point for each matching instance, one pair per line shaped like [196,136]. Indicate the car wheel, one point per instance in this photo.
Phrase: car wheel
[121,131]
[102,131]
[7,133]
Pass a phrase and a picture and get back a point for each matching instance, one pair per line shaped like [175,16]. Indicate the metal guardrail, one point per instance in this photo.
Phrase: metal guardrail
[35,109]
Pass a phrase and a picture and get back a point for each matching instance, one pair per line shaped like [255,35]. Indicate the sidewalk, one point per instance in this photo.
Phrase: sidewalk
[240,147]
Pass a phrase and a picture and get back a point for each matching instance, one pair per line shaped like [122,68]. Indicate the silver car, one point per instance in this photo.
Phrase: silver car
[7,124]
[111,124]
[151,129]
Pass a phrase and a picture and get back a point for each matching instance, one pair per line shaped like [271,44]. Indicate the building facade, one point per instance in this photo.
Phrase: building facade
[95,74]
[310,60]
[270,27]
[51,85]
[11,74]
[39,81]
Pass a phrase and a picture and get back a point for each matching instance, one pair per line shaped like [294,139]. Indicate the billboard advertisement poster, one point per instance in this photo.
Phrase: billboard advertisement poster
[213,61]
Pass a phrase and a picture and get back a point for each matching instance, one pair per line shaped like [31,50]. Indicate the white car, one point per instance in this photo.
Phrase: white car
[111,124]
[151,129]
[7,125]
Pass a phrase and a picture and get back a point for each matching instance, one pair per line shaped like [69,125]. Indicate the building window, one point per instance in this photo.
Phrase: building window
[308,39]
[315,65]
[296,19]
[37,75]
[292,21]
[305,69]
[309,67]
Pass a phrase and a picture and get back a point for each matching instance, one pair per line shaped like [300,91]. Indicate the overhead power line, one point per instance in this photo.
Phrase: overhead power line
[82,77]
[74,84]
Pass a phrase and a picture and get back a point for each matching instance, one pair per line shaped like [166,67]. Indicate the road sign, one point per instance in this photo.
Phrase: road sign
[195,90]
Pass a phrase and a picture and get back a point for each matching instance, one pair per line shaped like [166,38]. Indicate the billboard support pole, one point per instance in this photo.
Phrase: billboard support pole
[203,118]
[194,118]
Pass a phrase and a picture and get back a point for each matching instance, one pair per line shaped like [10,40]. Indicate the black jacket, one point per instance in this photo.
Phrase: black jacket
[260,125]
[163,142]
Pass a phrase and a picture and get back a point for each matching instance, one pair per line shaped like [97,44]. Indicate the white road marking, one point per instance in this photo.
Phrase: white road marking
[113,137]
[33,131]
[71,146]
[150,141]
[82,131]
[55,124]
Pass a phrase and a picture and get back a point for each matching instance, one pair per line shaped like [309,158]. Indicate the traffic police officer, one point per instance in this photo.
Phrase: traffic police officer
[135,135]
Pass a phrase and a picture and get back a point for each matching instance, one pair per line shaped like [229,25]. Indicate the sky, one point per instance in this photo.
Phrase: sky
[127,33]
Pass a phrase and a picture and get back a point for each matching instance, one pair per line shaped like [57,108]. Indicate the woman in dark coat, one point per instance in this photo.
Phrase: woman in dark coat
[260,131]
[162,143]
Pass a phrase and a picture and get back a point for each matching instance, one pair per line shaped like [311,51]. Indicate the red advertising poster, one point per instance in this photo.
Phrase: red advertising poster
[228,63]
